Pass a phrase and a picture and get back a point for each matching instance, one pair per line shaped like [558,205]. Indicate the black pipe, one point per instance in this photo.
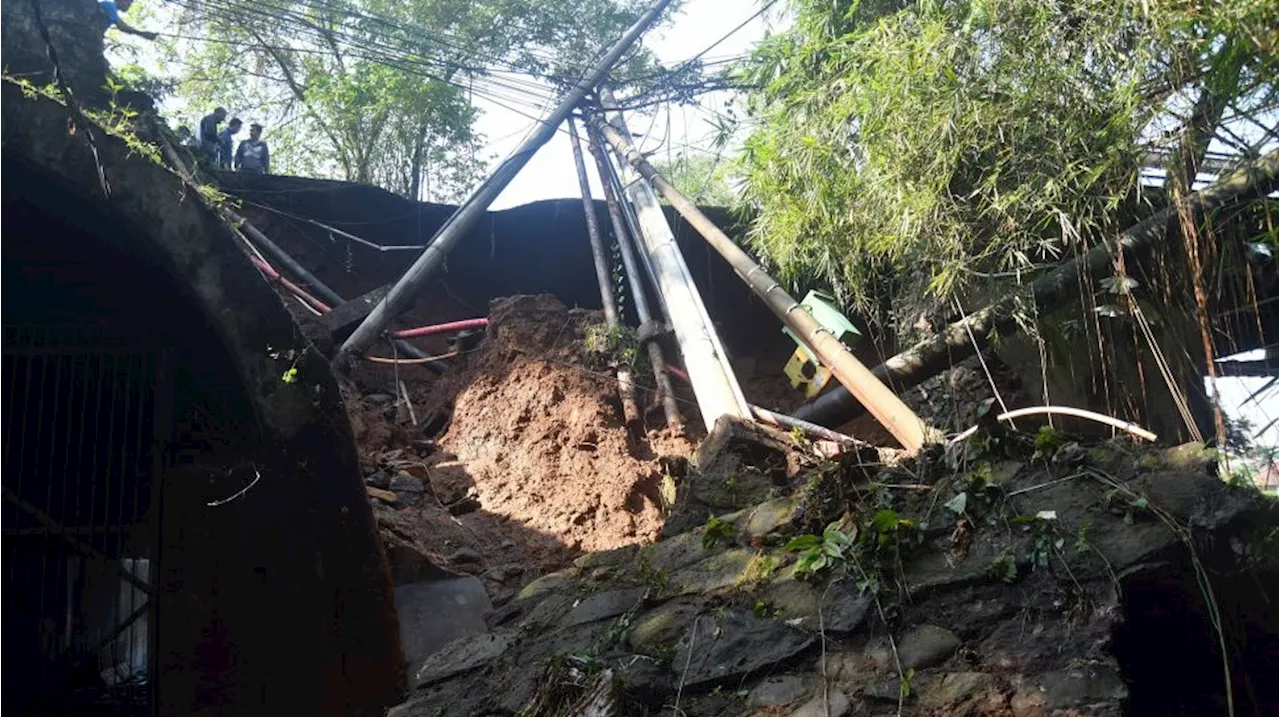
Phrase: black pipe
[329,295]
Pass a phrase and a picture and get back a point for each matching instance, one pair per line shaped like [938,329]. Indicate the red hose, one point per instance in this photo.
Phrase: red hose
[441,328]
[296,290]
[324,308]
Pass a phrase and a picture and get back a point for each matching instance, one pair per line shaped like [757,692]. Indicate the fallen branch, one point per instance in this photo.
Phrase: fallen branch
[943,350]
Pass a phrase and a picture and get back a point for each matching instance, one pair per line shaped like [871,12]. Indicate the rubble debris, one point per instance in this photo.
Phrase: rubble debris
[730,618]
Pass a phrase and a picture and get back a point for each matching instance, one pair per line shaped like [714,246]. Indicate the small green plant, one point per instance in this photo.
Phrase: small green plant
[1082,537]
[618,629]
[655,578]
[904,683]
[819,553]
[613,345]
[1047,442]
[1004,567]
[716,530]
[1044,537]
[760,570]
[1126,504]
[798,436]
[764,608]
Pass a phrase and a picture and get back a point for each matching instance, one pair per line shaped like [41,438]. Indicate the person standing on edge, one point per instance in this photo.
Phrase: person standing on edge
[112,9]
[225,142]
[253,156]
[208,135]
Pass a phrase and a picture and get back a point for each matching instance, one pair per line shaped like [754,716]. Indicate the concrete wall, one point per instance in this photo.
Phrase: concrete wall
[75,29]
[280,602]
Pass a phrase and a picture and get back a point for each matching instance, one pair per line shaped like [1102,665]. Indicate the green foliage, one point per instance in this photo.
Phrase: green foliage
[1047,442]
[1127,504]
[819,553]
[716,530]
[380,91]
[705,179]
[1004,567]
[910,150]
[760,570]
[611,345]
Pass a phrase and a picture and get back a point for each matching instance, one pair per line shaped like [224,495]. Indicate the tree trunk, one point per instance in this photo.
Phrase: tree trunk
[415,170]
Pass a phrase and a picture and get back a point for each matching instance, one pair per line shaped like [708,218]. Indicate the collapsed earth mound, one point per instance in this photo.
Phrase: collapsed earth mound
[540,435]
[516,460]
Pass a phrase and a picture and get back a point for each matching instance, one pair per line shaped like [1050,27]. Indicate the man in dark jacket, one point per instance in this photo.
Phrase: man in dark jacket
[253,156]
[225,140]
[208,135]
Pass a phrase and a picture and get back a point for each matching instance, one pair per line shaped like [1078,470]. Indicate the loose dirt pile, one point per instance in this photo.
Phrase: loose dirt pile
[519,460]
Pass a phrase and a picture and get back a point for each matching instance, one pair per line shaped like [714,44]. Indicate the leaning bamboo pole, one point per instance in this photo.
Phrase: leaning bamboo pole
[892,413]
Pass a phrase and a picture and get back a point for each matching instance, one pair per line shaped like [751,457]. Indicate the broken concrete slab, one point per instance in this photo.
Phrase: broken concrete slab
[436,612]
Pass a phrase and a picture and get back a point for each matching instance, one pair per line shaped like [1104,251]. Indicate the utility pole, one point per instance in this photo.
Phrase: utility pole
[627,248]
[401,295]
[714,385]
[604,279]
[883,403]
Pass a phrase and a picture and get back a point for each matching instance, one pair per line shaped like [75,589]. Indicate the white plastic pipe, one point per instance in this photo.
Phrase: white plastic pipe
[1130,428]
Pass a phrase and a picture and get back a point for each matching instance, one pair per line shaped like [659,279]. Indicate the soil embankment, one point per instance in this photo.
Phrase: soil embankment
[519,459]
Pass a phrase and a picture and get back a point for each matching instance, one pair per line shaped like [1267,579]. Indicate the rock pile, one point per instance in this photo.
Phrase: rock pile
[994,579]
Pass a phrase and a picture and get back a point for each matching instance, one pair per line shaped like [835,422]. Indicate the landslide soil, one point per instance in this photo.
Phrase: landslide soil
[521,448]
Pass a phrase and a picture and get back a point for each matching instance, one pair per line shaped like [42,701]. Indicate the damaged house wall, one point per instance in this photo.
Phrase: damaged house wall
[271,592]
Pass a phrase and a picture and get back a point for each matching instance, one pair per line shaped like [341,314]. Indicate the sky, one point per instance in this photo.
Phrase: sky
[550,174]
